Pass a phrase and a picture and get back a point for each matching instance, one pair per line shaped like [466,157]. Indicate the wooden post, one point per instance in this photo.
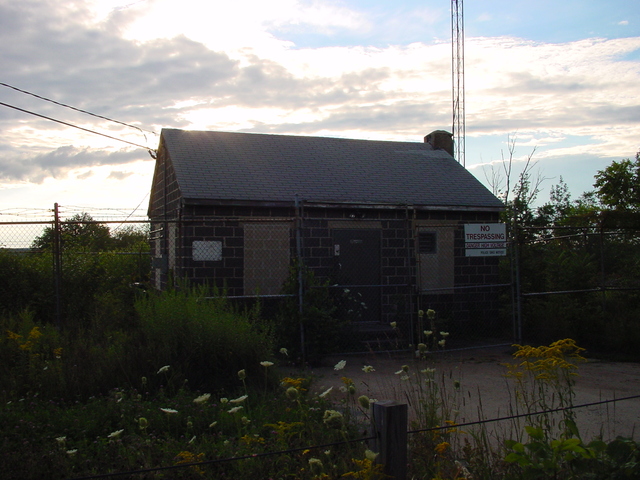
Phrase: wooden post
[389,424]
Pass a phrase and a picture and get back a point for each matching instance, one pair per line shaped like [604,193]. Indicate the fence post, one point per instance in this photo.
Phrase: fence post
[389,424]
[298,209]
[57,264]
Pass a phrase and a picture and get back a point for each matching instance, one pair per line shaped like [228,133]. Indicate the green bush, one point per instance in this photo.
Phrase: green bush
[205,340]
[322,324]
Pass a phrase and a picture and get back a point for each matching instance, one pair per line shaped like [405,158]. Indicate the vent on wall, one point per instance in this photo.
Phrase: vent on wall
[427,242]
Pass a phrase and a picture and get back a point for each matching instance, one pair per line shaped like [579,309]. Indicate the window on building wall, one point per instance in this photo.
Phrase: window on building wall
[427,242]
[267,254]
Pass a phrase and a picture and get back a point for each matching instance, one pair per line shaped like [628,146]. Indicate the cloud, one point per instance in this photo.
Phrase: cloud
[162,63]
[119,175]
[58,163]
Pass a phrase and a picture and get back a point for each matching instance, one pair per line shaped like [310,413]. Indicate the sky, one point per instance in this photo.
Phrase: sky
[557,81]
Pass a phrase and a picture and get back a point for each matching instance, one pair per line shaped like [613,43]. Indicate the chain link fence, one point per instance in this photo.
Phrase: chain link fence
[330,284]
[357,284]
[582,283]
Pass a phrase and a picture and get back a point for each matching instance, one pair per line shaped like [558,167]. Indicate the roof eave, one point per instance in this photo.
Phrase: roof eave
[333,205]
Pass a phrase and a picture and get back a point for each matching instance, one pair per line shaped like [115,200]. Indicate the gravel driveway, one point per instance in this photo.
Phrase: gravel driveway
[481,376]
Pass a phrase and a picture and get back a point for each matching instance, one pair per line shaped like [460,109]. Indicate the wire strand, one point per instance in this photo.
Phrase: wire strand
[293,450]
[76,109]
[151,151]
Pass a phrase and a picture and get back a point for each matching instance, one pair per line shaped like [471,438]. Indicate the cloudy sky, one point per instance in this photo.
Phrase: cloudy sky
[560,77]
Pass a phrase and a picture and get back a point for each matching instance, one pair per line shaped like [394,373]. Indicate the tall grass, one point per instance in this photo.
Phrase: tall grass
[204,341]
[204,338]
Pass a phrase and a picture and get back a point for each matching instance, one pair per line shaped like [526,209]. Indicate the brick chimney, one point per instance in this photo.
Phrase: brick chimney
[440,140]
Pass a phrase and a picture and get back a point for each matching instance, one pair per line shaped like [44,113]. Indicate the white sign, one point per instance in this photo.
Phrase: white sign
[485,239]
[207,251]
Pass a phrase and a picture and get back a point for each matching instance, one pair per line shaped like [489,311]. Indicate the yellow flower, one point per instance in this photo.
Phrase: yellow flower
[13,336]
[35,333]
[442,447]
[293,382]
[188,457]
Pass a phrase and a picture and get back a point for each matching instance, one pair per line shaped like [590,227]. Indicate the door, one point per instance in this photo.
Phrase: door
[357,265]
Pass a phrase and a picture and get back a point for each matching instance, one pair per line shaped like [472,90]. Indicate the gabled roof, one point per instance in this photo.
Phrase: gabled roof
[214,167]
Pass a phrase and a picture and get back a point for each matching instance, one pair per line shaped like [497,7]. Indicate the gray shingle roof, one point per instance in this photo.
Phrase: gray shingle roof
[225,166]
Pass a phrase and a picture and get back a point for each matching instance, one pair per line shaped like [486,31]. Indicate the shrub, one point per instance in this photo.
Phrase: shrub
[205,340]
[325,325]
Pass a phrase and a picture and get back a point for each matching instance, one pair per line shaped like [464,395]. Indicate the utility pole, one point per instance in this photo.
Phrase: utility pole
[457,75]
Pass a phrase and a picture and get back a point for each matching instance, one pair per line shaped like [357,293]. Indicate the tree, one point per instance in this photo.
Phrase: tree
[618,185]
[518,192]
[80,232]
[561,211]
[130,237]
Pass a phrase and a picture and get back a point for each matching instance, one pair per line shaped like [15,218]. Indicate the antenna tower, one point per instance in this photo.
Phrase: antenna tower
[457,75]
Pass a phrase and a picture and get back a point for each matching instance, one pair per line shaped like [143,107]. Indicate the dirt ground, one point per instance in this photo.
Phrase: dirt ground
[481,373]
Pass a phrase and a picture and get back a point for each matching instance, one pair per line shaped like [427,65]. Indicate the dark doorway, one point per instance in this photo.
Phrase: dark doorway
[357,266]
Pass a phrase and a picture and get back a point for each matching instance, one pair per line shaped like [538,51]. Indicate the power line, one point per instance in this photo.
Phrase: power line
[76,109]
[151,151]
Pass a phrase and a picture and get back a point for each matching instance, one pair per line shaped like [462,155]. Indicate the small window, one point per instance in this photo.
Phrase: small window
[427,242]
[207,251]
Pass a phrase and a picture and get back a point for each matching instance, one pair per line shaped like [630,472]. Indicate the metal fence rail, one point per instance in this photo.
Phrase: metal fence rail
[570,282]
[370,278]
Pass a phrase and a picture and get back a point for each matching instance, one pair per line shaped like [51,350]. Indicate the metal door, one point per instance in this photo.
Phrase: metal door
[357,263]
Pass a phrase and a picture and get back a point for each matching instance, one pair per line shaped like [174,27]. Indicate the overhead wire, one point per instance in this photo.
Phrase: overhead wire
[142,130]
[151,151]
